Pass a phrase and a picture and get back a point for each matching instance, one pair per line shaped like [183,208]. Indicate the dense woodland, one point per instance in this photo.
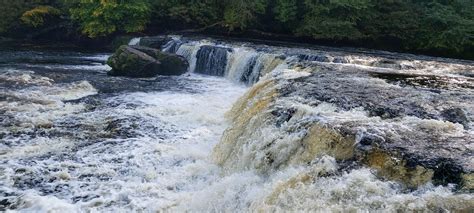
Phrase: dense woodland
[438,27]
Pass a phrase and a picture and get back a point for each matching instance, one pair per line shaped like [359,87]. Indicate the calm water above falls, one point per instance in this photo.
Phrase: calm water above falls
[74,139]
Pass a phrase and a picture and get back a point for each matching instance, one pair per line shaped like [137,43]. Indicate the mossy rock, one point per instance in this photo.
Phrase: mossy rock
[171,64]
[133,63]
[139,62]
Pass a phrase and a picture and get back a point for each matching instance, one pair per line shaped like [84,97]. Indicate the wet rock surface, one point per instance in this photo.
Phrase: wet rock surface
[428,126]
[170,64]
[128,61]
[137,61]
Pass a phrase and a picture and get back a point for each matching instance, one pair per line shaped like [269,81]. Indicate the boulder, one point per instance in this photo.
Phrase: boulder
[148,50]
[139,62]
[171,64]
[130,62]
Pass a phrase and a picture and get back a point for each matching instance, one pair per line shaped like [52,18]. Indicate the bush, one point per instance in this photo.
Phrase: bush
[101,18]
[37,16]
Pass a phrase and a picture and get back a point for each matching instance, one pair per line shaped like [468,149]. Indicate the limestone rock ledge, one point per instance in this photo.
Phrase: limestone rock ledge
[411,128]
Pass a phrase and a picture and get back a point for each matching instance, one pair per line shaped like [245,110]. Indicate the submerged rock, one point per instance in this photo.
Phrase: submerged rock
[139,61]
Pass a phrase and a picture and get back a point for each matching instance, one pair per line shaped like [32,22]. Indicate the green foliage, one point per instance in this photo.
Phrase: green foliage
[446,28]
[12,10]
[104,17]
[394,18]
[193,12]
[286,11]
[432,26]
[334,19]
[241,14]
[38,15]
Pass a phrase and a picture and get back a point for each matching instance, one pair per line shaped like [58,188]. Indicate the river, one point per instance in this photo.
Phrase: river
[76,140]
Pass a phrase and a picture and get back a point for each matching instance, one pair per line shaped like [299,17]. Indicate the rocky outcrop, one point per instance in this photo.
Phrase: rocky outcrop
[409,120]
[413,135]
[139,62]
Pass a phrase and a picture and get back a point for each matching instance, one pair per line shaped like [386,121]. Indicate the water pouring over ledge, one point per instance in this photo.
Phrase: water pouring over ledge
[78,140]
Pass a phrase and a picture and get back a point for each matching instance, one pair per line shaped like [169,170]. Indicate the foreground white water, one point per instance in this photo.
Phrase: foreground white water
[167,157]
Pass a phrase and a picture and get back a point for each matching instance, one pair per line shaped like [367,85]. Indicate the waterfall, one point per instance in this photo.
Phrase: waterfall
[247,63]
[211,60]
[264,64]
[317,131]
[237,64]
[189,51]
[241,64]
[173,45]
[134,41]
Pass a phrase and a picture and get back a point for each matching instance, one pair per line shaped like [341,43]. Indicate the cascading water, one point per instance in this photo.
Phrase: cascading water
[134,41]
[189,51]
[241,64]
[318,130]
[211,60]
[247,63]
[237,64]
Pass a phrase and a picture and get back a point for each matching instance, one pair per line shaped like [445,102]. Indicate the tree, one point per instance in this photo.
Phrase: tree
[183,13]
[104,17]
[431,26]
[242,14]
[447,26]
[334,19]
[286,11]
[13,10]
[38,16]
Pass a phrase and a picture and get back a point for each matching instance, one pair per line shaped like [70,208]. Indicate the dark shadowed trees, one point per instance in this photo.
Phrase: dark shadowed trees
[443,27]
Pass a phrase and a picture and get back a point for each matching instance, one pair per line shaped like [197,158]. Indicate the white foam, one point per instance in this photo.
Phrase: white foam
[167,159]
[24,77]
[32,202]
[98,57]
[134,41]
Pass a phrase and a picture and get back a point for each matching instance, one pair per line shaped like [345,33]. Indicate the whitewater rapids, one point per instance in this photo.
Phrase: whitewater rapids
[76,140]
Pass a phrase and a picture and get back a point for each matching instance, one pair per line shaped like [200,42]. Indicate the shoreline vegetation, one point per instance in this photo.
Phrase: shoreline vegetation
[429,27]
